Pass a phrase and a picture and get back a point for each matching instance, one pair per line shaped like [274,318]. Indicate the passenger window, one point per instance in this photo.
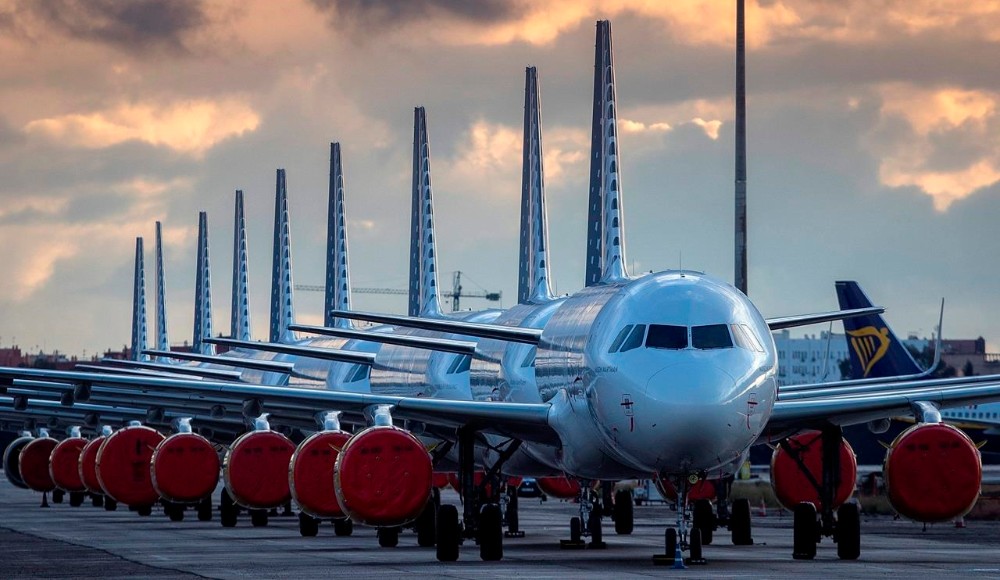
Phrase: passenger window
[711,336]
[667,336]
[620,338]
[634,339]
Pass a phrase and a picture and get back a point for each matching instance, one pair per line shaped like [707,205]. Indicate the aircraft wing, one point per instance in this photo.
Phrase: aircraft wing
[807,319]
[813,408]
[477,329]
[528,422]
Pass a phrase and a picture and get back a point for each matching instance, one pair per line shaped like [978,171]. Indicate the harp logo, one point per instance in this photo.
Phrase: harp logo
[870,344]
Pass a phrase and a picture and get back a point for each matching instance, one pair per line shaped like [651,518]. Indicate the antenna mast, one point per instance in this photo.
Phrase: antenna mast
[741,151]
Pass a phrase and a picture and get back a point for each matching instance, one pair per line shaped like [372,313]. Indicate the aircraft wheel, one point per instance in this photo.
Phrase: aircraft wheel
[849,531]
[76,498]
[96,500]
[448,534]
[308,525]
[175,512]
[205,509]
[804,531]
[704,520]
[575,529]
[110,504]
[388,537]
[490,533]
[671,542]
[144,510]
[57,495]
[426,526]
[739,523]
[624,513]
[228,517]
[258,518]
[596,529]
[343,527]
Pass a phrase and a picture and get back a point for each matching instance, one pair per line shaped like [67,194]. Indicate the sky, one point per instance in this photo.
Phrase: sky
[873,135]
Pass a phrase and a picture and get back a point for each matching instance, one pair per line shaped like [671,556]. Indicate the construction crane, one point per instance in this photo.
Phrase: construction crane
[457,293]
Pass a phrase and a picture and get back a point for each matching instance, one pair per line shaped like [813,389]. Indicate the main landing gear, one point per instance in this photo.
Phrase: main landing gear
[589,522]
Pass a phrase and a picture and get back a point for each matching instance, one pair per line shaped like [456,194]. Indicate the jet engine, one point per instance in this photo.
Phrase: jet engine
[560,487]
[184,468]
[383,477]
[310,473]
[34,463]
[933,473]
[64,464]
[88,465]
[256,469]
[797,468]
[704,489]
[123,465]
[11,461]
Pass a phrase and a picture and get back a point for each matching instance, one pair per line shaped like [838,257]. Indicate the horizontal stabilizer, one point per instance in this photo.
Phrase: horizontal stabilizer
[129,371]
[495,331]
[423,342]
[807,319]
[363,358]
[244,363]
[215,374]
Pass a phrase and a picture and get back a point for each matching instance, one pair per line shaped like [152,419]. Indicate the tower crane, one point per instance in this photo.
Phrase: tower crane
[456,294]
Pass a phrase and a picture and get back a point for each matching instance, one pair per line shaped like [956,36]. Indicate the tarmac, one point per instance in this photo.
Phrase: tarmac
[67,542]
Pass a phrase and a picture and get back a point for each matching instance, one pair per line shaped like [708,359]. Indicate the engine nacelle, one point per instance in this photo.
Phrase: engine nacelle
[792,486]
[34,463]
[560,487]
[88,465]
[11,461]
[184,468]
[383,477]
[256,469]
[123,465]
[933,473]
[64,464]
[704,489]
[310,473]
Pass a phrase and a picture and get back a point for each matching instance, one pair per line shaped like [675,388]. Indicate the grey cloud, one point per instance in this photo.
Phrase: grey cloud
[135,24]
[373,14]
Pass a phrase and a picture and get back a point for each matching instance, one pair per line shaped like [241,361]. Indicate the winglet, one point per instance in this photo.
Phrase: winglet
[282,313]
[240,315]
[533,273]
[338,280]
[139,328]
[424,299]
[605,224]
[203,292]
[162,343]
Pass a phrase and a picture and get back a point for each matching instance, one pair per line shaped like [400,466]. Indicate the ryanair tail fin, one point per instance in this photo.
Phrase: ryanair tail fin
[424,300]
[282,313]
[338,279]
[203,292]
[239,327]
[874,349]
[139,327]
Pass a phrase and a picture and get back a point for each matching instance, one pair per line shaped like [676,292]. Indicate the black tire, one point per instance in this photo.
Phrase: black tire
[176,512]
[670,542]
[96,500]
[695,546]
[228,517]
[575,529]
[740,523]
[704,520]
[205,510]
[426,526]
[388,537]
[448,534]
[144,510]
[76,498]
[343,527]
[57,495]
[490,533]
[804,531]
[258,518]
[596,528]
[110,505]
[624,513]
[308,525]
[849,531]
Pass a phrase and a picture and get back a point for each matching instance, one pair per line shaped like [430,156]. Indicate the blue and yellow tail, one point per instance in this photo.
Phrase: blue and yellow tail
[874,350]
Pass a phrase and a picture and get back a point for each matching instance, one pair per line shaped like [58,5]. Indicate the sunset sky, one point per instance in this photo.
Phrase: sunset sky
[873,133]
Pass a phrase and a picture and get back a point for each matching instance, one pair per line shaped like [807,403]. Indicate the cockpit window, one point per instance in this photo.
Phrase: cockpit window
[460,365]
[711,336]
[744,337]
[634,339]
[620,338]
[360,372]
[752,337]
[529,361]
[667,336]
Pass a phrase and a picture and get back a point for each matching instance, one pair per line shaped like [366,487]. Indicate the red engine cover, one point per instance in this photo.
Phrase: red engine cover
[704,489]
[933,473]
[383,477]
[310,474]
[792,486]
[256,469]
[456,483]
[88,465]
[123,465]
[64,464]
[559,487]
[185,468]
[34,461]
[441,479]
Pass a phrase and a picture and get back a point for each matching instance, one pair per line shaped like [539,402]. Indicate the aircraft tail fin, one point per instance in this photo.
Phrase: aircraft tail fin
[139,328]
[203,292]
[338,279]
[424,299]
[282,312]
[874,349]
[605,225]
[533,272]
[162,343]
[240,314]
